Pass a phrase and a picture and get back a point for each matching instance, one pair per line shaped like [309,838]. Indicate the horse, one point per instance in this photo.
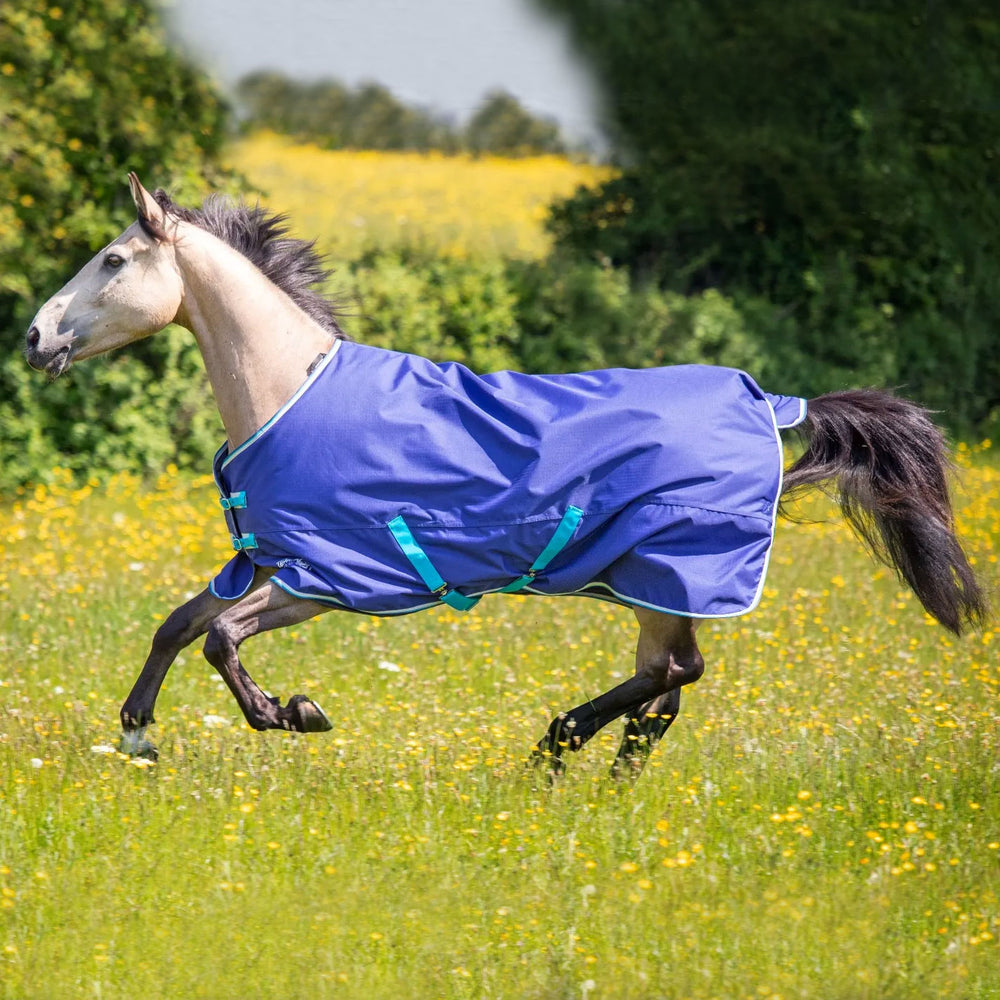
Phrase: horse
[362,479]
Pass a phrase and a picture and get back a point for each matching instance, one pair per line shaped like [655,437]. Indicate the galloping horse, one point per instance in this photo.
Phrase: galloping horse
[367,480]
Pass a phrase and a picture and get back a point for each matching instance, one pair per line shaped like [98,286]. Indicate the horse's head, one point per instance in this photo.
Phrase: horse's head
[130,290]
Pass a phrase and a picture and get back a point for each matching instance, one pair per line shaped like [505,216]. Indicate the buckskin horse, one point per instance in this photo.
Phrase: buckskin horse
[372,481]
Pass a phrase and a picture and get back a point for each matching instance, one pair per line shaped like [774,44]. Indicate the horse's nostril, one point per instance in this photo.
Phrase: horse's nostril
[34,336]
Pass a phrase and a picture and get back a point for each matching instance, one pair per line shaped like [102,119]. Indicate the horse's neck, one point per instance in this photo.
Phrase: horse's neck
[256,343]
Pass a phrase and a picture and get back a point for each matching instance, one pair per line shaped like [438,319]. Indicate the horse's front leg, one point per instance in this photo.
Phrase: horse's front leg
[263,610]
[182,627]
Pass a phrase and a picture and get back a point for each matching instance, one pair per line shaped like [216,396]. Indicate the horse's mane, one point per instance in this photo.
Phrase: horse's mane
[295,266]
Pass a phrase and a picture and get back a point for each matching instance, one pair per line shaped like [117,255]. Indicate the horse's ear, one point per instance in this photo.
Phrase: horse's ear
[147,206]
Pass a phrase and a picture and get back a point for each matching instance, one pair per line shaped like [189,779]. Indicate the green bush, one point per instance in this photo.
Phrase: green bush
[137,409]
[447,309]
[833,166]
[76,114]
[576,315]
[555,315]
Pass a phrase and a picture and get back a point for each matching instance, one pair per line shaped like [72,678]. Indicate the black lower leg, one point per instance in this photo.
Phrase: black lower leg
[571,730]
[644,730]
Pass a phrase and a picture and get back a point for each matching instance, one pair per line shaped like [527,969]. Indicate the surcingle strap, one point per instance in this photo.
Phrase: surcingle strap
[453,598]
[562,534]
[425,568]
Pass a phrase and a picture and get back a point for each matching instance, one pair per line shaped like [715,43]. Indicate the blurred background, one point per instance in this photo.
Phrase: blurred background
[440,56]
[808,192]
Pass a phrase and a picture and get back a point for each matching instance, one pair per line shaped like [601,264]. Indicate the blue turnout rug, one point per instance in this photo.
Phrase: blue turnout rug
[389,484]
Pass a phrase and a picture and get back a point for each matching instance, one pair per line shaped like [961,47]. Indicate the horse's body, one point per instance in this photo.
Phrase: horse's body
[382,457]
[367,480]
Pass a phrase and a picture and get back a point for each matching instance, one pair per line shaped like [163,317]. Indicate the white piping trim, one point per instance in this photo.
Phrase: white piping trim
[803,409]
[803,405]
[323,599]
[223,597]
[780,454]
[257,434]
[633,602]
[215,458]
[622,599]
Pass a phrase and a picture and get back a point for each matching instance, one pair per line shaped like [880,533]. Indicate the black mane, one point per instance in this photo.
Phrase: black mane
[293,265]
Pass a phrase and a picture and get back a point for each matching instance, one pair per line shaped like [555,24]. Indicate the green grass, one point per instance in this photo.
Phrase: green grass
[822,821]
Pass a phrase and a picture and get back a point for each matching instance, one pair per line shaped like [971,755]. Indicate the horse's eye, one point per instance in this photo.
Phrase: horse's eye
[113,261]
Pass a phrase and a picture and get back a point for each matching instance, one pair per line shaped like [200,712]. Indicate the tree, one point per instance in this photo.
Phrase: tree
[836,160]
[502,126]
[335,116]
[370,116]
[76,113]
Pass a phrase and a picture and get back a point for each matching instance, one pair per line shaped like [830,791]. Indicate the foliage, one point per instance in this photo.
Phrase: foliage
[832,778]
[335,116]
[450,310]
[503,127]
[75,115]
[576,315]
[536,316]
[138,410]
[837,160]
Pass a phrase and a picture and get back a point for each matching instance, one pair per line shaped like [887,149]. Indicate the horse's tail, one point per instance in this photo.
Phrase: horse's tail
[886,463]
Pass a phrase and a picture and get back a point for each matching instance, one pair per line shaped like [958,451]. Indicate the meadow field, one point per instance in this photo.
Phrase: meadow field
[457,205]
[823,820]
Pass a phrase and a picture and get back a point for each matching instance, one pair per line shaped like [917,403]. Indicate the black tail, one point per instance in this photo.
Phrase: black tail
[886,463]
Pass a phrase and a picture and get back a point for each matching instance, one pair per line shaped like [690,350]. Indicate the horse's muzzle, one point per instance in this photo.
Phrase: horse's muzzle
[53,363]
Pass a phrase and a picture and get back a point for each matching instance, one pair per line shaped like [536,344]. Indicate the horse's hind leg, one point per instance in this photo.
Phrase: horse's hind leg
[667,657]
[643,731]
[265,609]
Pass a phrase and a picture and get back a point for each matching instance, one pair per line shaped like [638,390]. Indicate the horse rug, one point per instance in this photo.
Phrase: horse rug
[390,483]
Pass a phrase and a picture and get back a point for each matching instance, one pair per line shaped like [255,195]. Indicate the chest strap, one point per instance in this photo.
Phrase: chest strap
[435,582]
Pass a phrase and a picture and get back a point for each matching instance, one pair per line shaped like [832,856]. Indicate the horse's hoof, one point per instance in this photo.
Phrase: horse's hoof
[626,768]
[134,744]
[548,762]
[308,716]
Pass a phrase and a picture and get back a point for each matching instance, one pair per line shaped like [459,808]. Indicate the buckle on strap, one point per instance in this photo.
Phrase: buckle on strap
[244,542]
[234,501]
[560,537]
[425,568]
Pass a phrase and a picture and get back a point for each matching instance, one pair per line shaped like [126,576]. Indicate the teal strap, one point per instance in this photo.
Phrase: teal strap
[425,568]
[243,542]
[235,501]
[562,534]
